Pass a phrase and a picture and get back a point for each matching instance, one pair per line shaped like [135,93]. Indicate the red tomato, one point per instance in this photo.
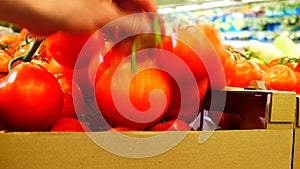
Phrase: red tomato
[12,41]
[282,61]
[188,108]
[69,124]
[297,67]
[227,121]
[5,58]
[66,83]
[65,47]
[282,77]
[229,65]
[31,98]
[191,59]
[22,50]
[120,129]
[133,92]
[135,96]
[265,78]
[229,68]
[227,59]
[55,68]
[262,66]
[246,71]
[297,74]
[172,125]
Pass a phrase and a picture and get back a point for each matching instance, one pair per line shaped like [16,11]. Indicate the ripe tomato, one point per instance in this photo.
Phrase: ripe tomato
[283,61]
[120,129]
[186,102]
[297,74]
[129,106]
[12,41]
[69,124]
[172,125]
[282,77]
[65,81]
[229,68]
[5,58]
[227,121]
[265,78]
[246,71]
[55,68]
[65,47]
[31,98]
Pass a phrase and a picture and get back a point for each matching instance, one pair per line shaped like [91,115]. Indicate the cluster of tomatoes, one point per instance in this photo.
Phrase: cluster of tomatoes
[36,91]
[76,82]
[48,87]
[281,74]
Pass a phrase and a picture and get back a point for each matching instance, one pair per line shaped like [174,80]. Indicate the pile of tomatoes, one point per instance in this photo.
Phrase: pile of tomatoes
[46,86]
[155,82]
[281,74]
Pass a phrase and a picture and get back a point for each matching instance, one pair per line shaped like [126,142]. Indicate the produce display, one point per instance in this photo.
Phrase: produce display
[39,91]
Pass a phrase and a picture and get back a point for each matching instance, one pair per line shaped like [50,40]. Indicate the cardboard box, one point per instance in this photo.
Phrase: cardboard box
[296,155]
[296,161]
[259,109]
[254,149]
[267,146]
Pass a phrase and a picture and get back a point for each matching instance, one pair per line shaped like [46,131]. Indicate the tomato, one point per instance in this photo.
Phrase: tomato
[262,66]
[187,105]
[12,41]
[227,121]
[21,50]
[120,129]
[283,61]
[265,78]
[229,68]
[297,67]
[31,98]
[297,74]
[5,58]
[65,47]
[69,124]
[172,125]
[190,58]
[246,71]
[55,68]
[228,62]
[66,83]
[133,113]
[282,77]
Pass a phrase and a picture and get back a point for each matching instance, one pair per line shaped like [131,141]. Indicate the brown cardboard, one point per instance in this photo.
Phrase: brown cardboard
[272,145]
[253,149]
[296,161]
[276,107]
[296,158]
[298,112]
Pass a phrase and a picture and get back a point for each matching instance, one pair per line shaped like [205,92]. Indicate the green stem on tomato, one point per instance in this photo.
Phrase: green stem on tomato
[4,46]
[163,120]
[158,40]
[133,57]
[35,46]
[11,63]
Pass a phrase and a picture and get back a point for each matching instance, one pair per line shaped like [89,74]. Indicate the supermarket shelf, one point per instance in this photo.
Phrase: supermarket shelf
[171,6]
[241,44]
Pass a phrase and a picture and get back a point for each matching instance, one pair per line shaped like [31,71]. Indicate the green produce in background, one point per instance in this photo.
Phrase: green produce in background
[287,46]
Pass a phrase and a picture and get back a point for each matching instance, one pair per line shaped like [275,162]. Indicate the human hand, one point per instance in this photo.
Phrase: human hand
[48,16]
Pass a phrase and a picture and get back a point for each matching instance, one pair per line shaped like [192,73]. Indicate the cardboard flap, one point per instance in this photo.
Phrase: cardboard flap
[283,106]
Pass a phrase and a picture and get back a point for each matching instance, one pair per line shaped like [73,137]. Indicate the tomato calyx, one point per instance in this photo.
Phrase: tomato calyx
[30,54]
[4,46]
